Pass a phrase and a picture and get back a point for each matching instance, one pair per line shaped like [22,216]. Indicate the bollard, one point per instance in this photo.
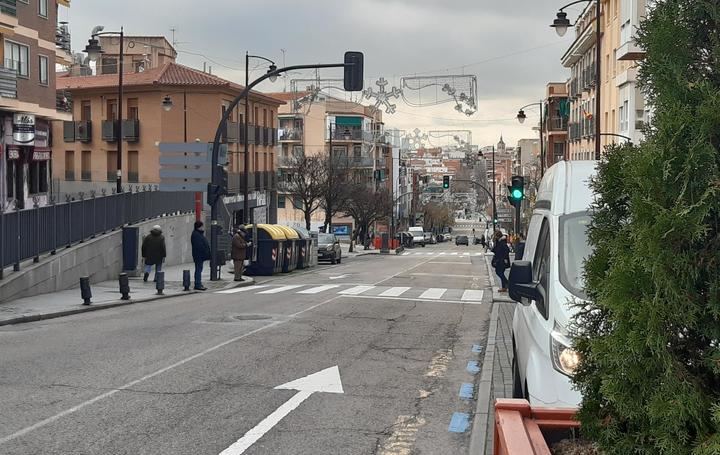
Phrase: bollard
[159,282]
[186,280]
[85,292]
[124,286]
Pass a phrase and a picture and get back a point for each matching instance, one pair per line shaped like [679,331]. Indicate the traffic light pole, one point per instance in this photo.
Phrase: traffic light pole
[517,219]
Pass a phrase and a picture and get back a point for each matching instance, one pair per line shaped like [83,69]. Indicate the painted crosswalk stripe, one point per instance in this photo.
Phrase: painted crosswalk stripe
[465,254]
[281,289]
[247,288]
[433,293]
[472,295]
[319,289]
[394,292]
[356,290]
[454,254]
[443,253]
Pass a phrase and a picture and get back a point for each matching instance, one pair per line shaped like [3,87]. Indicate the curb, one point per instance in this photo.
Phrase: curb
[103,306]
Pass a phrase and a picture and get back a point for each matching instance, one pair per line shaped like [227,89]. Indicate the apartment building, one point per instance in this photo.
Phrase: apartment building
[309,125]
[555,131]
[86,147]
[33,42]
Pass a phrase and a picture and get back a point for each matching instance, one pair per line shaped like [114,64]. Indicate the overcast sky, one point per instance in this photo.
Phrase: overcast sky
[507,44]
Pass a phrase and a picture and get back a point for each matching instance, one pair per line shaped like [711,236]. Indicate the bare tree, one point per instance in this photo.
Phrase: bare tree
[366,206]
[437,216]
[335,185]
[304,182]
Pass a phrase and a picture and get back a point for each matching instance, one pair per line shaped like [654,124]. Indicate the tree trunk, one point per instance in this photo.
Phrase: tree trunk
[307,220]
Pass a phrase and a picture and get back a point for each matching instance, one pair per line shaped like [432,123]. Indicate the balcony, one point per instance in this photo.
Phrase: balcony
[557,124]
[63,101]
[131,130]
[258,181]
[347,134]
[231,133]
[8,83]
[62,37]
[265,136]
[361,161]
[83,131]
[109,130]
[8,7]
[291,134]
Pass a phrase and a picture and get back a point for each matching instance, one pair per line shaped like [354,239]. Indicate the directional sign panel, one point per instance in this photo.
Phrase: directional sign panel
[186,166]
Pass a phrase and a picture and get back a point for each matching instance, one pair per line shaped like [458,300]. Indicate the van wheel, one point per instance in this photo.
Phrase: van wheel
[517,390]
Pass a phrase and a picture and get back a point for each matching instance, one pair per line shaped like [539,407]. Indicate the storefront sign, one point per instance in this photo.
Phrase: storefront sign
[13,153]
[41,154]
[24,128]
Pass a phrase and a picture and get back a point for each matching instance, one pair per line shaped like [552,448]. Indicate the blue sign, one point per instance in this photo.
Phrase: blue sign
[343,229]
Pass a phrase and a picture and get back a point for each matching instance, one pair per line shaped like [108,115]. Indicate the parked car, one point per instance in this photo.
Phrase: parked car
[462,240]
[329,248]
[440,238]
[429,238]
[418,236]
[545,283]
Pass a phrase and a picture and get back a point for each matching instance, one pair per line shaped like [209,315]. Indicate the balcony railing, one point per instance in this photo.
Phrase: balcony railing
[291,134]
[62,38]
[232,132]
[8,82]
[109,130]
[557,124]
[266,136]
[131,130]
[347,134]
[83,131]
[257,181]
[361,161]
[63,101]
[8,7]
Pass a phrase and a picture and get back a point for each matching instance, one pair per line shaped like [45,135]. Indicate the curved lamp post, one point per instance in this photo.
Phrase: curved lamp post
[561,25]
[521,118]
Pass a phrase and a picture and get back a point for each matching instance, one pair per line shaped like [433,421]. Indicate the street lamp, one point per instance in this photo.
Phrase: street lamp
[94,51]
[521,118]
[561,24]
[167,103]
[271,74]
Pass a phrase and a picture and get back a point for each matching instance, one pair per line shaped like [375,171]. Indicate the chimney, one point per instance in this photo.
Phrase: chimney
[209,69]
[204,67]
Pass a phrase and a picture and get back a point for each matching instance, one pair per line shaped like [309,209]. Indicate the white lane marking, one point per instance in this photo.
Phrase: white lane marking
[472,294]
[356,290]
[247,288]
[338,277]
[319,289]
[433,293]
[448,275]
[327,381]
[409,299]
[281,289]
[465,254]
[442,253]
[394,292]
[454,254]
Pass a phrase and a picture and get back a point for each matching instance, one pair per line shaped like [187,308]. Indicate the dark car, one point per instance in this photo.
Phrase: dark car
[462,240]
[329,248]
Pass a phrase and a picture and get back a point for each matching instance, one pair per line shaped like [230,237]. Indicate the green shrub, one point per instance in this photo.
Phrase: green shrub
[650,333]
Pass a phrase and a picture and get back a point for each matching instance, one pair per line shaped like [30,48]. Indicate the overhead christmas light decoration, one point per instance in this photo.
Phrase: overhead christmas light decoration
[416,139]
[382,97]
[421,91]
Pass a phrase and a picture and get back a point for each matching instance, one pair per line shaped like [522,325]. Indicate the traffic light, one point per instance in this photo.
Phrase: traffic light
[219,185]
[516,191]
[446,182]
[353,80]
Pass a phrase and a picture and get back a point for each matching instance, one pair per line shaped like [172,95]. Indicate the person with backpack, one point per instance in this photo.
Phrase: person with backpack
[501,258]
[153,251]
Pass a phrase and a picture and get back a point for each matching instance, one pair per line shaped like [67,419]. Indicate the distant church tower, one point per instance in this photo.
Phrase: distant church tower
[501,145]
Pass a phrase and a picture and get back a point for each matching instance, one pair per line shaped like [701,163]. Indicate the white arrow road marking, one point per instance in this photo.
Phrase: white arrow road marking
[338,277]
[327,381]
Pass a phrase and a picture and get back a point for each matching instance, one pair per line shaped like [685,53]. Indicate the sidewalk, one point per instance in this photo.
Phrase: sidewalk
[107,295]
[358,251]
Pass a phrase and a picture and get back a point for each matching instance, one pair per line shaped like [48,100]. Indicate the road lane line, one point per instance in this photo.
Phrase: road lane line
[246,288]
[472,294]
[394,292]
[433,293]
[281,289]
[447,275]
[318,289]
[130,384]
[356,290]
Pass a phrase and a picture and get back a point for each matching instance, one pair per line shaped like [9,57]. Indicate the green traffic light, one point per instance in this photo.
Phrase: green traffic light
[517,193]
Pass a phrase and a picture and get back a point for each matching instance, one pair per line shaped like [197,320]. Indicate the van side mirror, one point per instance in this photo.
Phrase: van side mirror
[521,283]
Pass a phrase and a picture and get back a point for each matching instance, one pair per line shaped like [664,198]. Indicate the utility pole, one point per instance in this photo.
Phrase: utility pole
[328,201]
[494,215]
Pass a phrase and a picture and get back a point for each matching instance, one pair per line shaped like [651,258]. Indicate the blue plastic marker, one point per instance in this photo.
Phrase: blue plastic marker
[477,348]
[473,367]
[459,423]
[467,391]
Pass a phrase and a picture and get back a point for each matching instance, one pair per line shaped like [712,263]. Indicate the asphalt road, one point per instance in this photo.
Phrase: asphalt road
[194,374]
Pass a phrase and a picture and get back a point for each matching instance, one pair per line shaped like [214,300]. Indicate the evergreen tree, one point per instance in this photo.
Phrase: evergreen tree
[650,334]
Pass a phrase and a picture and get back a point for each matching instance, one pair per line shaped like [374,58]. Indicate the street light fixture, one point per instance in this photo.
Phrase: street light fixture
[167,103]
[561,24]
[521,116]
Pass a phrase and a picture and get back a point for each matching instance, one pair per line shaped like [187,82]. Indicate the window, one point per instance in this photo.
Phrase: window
[85,110]
[112,165]
[574,250]
[257,161]
[16,57]
[111,111]
[109,65]
[37,177]
[133,163]
[541,267]
[281,201]
[85,170]
[69,165]
[265,117]
[132,109]
[43,8]
[298,150]
[255,111]
[43,69]
[297,202]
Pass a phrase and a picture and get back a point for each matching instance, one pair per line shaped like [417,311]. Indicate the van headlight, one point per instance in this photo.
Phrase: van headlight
[564,358]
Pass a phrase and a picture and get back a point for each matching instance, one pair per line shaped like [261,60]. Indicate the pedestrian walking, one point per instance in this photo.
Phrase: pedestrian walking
[153,251]
[501,260]
[200,253]
[239,252]
[483,242]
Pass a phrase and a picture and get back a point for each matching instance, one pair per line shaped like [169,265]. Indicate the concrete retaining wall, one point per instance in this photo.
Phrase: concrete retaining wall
[99,258]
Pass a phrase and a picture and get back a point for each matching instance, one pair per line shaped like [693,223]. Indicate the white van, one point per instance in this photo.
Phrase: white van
[418,235]
[546,281]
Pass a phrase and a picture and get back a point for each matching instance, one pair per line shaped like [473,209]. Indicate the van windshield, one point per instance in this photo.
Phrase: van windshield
[574,250]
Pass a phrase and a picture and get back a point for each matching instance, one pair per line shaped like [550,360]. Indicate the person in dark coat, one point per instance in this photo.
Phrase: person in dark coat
[153,251]
[238,253]
[200,253]
[501,260]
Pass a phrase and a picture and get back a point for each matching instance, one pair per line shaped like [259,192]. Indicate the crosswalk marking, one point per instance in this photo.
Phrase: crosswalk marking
[394,292]
[433,293]
[356,290]
[318,289]
[472,295]
[281,289]
[465,254]
[454,254]
[247,288]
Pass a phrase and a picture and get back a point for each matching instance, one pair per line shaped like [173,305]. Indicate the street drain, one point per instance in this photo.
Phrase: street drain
[251,317]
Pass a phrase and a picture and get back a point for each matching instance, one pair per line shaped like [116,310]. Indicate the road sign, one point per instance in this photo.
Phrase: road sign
[186,166]
[327,381]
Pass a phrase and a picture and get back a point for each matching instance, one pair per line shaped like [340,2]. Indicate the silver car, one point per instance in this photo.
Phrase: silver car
[329,248]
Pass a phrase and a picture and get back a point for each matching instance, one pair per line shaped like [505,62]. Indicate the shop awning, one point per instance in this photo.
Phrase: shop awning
[348,121]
